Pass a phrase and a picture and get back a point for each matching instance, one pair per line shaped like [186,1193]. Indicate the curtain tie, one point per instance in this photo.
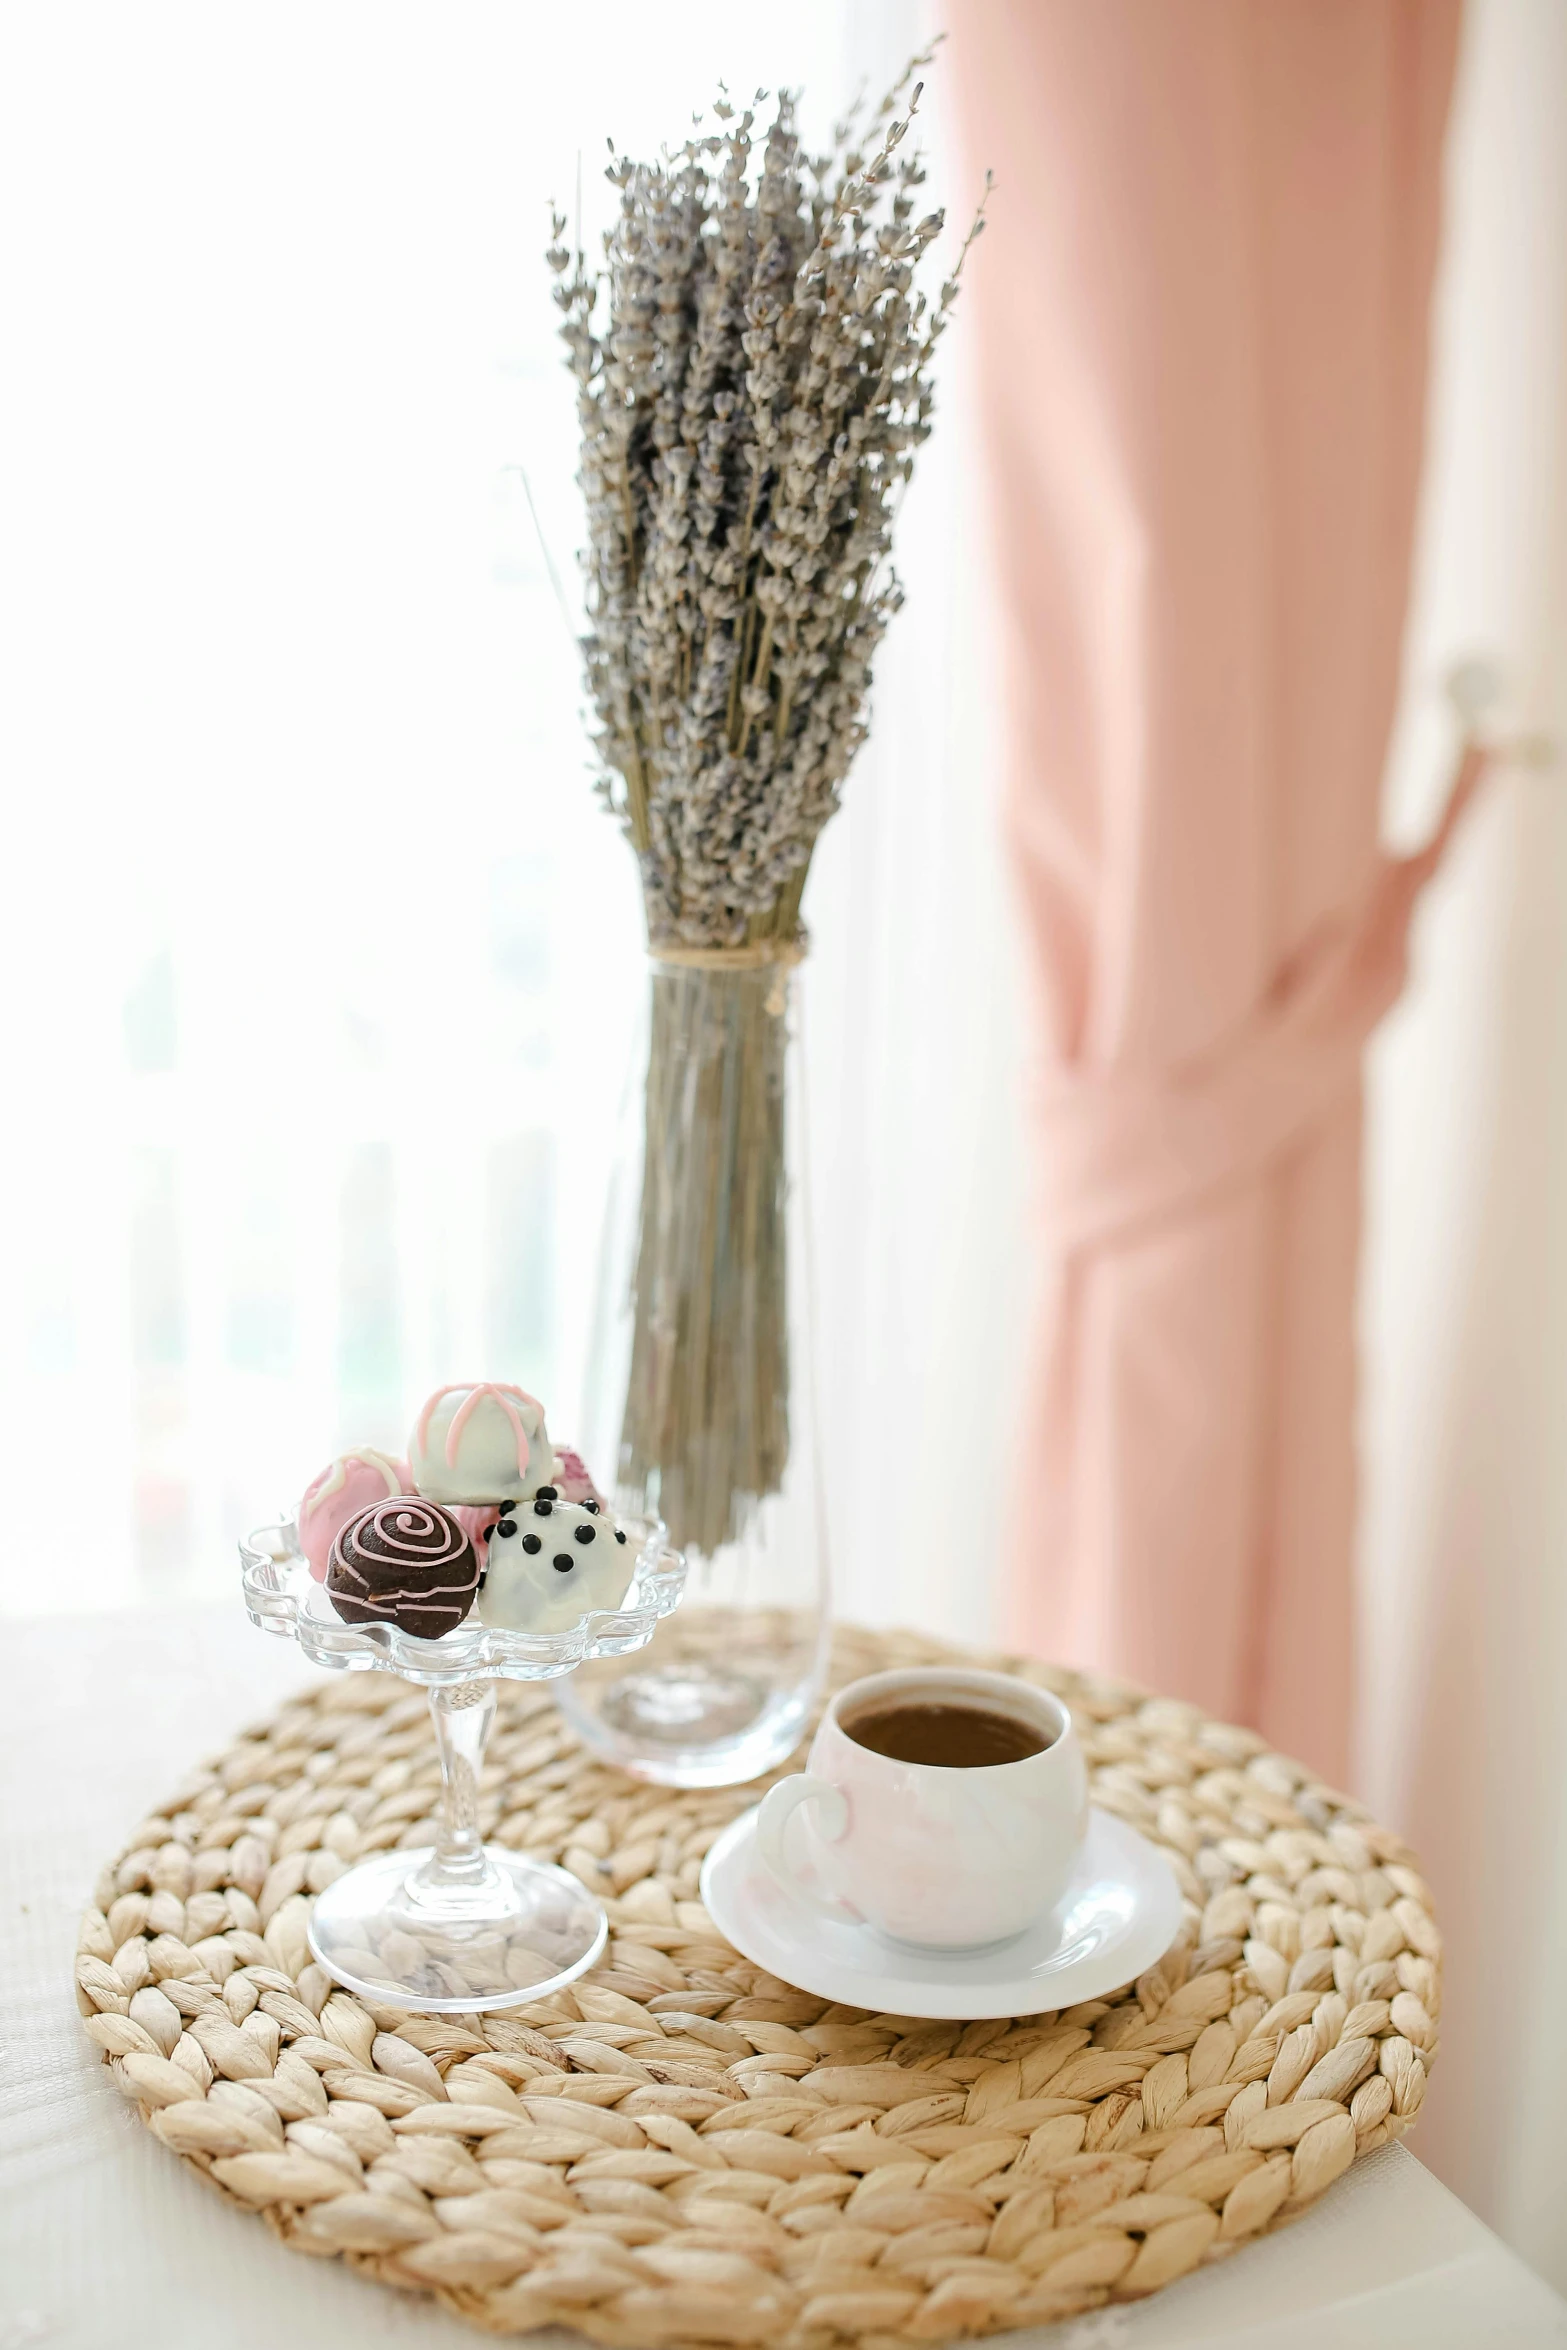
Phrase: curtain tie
[1128,1150]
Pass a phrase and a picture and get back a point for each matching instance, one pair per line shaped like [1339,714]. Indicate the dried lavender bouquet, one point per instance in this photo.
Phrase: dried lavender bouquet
[753,379]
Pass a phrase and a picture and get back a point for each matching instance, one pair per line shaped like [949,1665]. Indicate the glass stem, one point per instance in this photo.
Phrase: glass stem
[462,1715]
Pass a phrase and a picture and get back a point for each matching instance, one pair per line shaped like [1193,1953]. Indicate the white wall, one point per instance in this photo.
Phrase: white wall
[1465,1290]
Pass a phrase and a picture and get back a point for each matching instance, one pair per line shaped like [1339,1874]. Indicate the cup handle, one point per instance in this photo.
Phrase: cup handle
[778,1807]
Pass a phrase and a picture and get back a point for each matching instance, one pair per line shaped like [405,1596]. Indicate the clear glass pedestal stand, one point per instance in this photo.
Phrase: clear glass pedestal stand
[458,1925]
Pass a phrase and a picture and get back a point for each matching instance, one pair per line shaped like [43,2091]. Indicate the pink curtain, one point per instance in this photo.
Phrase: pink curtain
[1202,309]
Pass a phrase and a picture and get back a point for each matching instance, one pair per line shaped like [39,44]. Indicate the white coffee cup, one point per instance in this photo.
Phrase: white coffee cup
[945,1857]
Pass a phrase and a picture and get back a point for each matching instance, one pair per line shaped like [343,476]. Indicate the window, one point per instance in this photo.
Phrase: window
[318,954]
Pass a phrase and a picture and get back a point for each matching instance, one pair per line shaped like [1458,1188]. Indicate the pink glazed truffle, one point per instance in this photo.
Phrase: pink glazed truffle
[477,1520]
[576,1485]
[354,1482]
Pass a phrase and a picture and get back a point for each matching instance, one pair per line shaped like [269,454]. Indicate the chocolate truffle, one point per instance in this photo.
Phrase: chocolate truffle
[404,1562]
[552,1562]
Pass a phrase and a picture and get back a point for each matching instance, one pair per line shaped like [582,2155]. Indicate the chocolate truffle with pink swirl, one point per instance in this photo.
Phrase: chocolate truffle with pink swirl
[403,1561]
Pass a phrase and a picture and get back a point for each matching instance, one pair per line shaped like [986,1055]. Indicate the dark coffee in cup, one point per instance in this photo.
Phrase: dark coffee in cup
[954,1737]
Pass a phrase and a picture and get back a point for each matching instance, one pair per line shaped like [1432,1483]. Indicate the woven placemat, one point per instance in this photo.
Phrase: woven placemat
[681,2148]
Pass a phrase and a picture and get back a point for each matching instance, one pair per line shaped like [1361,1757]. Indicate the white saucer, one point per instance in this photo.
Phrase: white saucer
[1121,1911]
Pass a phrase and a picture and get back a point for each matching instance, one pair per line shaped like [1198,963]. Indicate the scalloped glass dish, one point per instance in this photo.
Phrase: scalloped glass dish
[457,1925]
[282,1596]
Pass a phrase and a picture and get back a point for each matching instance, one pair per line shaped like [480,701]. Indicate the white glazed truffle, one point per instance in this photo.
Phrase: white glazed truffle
[480,1442]
[552,1562]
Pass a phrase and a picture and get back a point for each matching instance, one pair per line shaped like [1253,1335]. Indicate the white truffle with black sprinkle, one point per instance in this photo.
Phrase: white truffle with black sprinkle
[550,1563]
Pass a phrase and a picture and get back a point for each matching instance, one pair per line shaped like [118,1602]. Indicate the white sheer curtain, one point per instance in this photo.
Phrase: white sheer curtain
[1465,1294]
[318,956]
[915,1029]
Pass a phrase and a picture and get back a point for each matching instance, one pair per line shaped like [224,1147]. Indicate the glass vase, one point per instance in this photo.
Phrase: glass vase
[700,1402]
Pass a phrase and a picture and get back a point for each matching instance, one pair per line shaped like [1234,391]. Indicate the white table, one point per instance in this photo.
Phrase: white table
[105,2238]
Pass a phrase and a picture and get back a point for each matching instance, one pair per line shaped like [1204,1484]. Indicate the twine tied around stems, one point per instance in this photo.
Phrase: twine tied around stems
[755,954]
